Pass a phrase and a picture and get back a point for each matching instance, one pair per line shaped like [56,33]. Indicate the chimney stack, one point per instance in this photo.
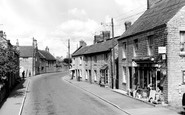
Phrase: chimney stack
[82,43]
[47,49]
[127,25]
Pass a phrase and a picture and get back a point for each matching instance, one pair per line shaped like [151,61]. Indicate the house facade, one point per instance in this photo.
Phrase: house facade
[29,59]
[94,63]
[34,61]
[47,62]
[151,51]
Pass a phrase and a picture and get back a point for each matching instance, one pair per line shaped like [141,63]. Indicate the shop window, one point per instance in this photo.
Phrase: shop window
[150,45]
[124,50]
[124,75]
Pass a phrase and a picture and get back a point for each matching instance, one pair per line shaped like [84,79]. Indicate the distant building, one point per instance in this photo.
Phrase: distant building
[47,61]
[29,60]
[34,61]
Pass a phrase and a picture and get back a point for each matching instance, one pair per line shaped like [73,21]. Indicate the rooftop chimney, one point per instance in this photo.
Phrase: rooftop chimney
[127,25]
[82,43]
[47,49]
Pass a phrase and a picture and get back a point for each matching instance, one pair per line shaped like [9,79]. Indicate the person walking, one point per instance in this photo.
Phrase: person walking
[23,74]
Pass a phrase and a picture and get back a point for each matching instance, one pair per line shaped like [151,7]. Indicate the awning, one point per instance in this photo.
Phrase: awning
[104,67]
[143,59]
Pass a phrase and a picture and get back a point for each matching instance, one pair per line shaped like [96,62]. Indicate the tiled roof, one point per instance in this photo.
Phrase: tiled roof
[80,51]
[46,55]
[26,51]
[95,48]
[154,17]
[100,47]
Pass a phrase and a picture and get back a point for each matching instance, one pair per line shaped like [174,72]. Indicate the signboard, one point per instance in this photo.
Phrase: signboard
[162,50]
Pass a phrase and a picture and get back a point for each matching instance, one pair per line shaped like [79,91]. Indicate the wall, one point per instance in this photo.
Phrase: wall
[176,63]
[159,36]
[26,65]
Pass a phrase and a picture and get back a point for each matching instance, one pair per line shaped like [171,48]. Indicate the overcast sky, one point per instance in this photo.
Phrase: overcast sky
[53,22]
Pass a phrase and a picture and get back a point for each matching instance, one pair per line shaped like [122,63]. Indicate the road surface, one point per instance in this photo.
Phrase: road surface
[48,94]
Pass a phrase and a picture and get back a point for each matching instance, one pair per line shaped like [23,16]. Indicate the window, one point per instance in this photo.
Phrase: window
[86,75]
[182,41]
[106,57]
[80,60]
[124,50]
[135,47]
[95,75]
[124,75]
[95,59]
[150,46]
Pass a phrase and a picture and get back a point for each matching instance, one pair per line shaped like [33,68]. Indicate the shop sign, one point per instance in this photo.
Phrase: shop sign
[162,50]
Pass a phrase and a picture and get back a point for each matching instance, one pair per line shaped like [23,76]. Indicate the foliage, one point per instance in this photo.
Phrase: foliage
[67,60]
[9,60]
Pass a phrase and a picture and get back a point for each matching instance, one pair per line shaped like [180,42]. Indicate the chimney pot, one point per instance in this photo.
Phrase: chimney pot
[127,25]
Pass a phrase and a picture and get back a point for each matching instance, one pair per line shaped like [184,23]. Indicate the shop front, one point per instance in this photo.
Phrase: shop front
[147,80]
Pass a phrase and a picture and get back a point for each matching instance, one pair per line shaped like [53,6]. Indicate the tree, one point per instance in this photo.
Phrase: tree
[9,60]
[67,60]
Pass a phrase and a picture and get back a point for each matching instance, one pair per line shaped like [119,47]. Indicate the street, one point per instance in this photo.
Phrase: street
[48,94]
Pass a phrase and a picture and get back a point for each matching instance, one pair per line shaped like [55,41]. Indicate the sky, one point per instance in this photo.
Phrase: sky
[53,22]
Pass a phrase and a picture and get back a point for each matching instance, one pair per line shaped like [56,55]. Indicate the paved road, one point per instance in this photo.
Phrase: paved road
[50,95]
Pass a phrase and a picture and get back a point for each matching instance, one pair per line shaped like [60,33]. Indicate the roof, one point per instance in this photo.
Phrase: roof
[154,17]
[26,51]
[100,47]
[80,51]
[46,55]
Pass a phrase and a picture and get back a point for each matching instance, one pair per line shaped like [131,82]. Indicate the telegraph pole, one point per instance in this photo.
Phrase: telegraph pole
[69,52]
[113,56]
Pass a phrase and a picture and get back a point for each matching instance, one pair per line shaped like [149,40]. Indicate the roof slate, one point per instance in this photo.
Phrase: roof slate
[80,51]
[154,17]
[100,47]
[26,51]
[95,48]
[46,55]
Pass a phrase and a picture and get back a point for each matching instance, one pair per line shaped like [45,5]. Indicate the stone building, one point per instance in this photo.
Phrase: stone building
[34,61]
[29,59]
[47,61]
[152,52]
[94,63]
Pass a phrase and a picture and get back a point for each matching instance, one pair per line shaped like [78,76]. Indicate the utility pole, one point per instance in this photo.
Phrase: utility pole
[113,56]
[69,52]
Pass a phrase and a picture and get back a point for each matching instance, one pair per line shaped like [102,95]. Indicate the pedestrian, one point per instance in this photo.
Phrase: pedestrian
[23,73]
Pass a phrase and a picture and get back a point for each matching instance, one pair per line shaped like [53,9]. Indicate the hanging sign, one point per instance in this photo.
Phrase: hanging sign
[162,50]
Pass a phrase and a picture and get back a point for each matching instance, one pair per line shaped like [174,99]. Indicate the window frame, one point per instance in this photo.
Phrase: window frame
[124,48]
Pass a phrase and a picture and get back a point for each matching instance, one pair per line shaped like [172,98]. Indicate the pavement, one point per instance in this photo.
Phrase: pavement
[120,100]
[14,103]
